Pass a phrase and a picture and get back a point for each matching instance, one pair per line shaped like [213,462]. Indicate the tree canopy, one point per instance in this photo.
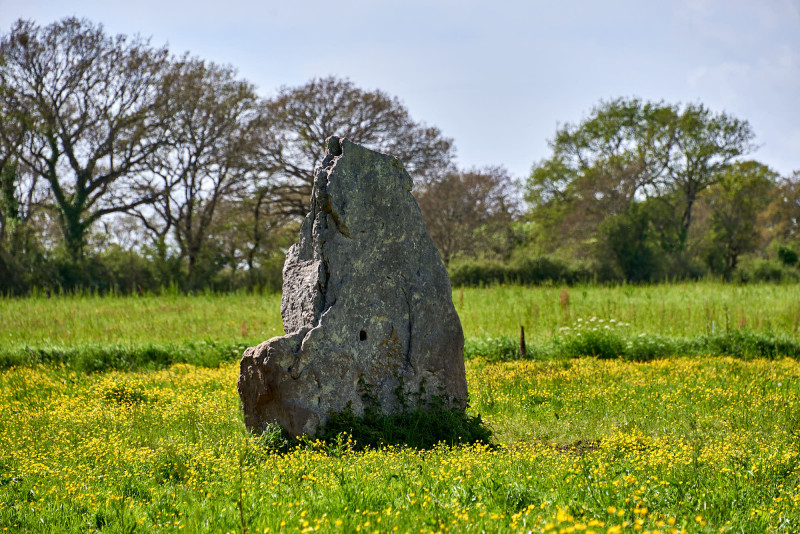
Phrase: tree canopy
[125,166]
[626,152]
[90,111]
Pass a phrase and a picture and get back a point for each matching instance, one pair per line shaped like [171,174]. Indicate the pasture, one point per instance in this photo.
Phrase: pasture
[689,442]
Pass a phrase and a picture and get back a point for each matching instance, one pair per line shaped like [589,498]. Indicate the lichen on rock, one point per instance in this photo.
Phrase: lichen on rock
[367,305]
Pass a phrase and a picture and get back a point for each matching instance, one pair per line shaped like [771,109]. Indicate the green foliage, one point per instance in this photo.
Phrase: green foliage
[275,438]
[9,203]
[26,268]
[627,182]
[421,428]
[527,271]
[744,344]
[748,345]
[741,193]
[787,255]
[492,349]
[96,357]
[768,271]
[737,343]
[593,343]
[419,425]
[628,239]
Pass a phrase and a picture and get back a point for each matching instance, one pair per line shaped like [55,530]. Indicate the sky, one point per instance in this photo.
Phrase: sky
[496,76]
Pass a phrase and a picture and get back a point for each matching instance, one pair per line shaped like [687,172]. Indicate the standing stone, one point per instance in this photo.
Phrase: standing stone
[367,306]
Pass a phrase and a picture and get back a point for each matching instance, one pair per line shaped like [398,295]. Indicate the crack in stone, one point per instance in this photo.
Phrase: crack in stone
[407,357]
[389,279]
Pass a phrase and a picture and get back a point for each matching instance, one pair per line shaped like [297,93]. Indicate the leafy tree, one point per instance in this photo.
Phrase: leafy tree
[626,239]
[627,150]
[781,219]
[92,109]
[787,256]
[740,194]
[701,149]
[596,170]
[299,119]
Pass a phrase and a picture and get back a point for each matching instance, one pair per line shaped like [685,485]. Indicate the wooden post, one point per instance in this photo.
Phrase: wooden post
[522,349]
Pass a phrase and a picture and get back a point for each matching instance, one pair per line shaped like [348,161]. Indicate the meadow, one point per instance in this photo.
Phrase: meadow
[689,442]
[677,310]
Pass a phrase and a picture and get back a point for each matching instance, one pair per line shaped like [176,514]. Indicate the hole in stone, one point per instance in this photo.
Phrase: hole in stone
[362,335]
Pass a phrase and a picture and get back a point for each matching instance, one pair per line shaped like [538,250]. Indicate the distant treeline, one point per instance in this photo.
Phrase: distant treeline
[124,167]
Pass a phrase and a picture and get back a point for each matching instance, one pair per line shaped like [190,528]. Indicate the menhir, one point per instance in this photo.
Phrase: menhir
[367,306]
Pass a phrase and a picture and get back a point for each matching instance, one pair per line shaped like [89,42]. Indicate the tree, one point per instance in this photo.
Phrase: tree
[92,107]
[469,212]
[701,149]
[781,218]
[596,171]
[299,119]
[251,238]
[626,240]
[736,201]
[628,150]
[787,255]
[204,158]
[23,221]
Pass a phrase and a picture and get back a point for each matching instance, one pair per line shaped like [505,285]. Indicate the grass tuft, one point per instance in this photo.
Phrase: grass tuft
[742,344]
[421,428]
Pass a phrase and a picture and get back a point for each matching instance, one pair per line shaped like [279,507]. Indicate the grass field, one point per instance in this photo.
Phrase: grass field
[676,310]
[687,443]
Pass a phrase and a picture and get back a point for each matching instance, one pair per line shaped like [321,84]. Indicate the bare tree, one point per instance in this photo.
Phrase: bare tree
[92,106]
[468,212]
[301,118]
[205,159]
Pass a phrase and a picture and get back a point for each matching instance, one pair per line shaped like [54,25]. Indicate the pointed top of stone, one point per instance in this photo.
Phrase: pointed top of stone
[367,305]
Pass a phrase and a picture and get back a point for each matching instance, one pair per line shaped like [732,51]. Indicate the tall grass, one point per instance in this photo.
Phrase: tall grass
[67,321]
[674,310]
[91,332]
[679,310]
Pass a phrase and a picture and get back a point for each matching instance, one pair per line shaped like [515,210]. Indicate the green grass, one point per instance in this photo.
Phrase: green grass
[706,445]
[94,333]
[69,321]
[679,310]
[670,310]
[121,415]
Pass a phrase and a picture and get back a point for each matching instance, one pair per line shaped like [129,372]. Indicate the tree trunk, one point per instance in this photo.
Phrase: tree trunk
[74,232]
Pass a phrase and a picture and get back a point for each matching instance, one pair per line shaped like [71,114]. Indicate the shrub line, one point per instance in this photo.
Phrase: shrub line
[744,344]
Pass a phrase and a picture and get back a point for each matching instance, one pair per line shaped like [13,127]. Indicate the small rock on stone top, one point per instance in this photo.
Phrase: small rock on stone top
[367,306]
